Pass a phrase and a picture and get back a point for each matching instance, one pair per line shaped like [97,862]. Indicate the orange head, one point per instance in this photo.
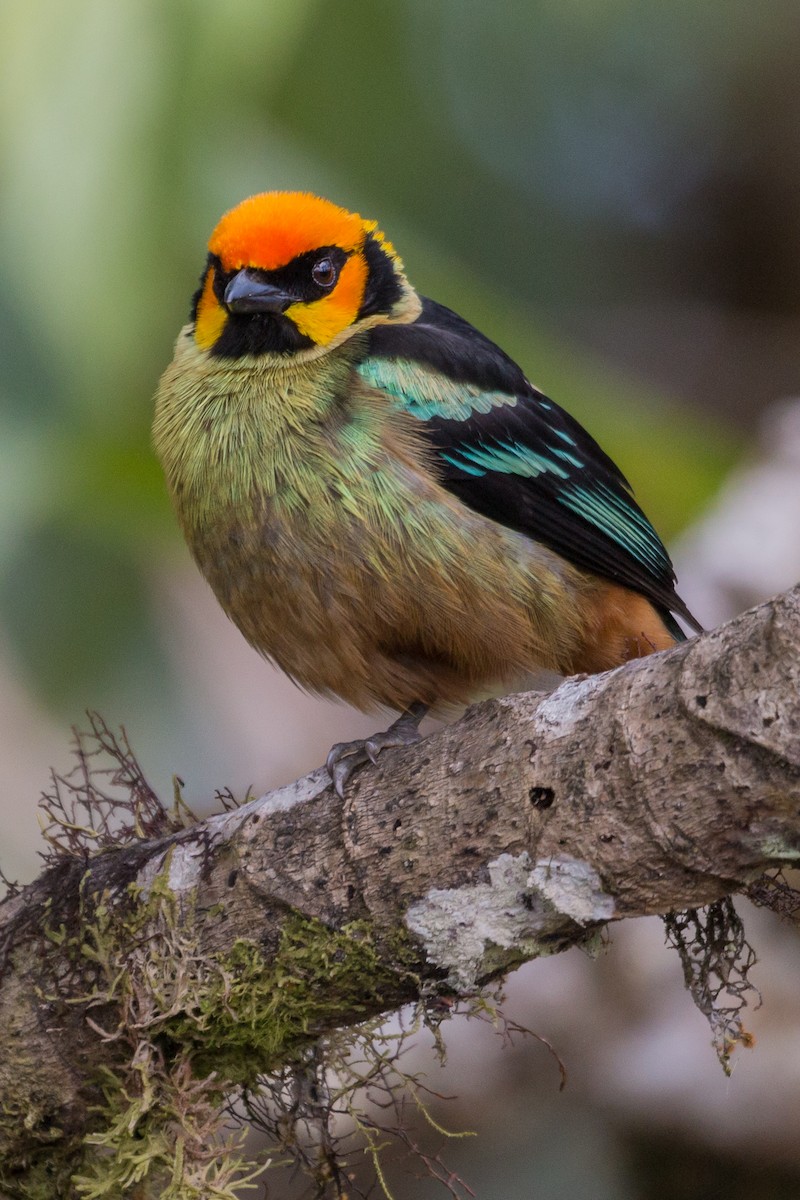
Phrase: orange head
[289,273]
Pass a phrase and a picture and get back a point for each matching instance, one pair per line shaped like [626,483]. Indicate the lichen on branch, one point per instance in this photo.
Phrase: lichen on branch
[161,964]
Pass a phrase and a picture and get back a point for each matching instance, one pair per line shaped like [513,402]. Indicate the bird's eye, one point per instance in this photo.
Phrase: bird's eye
[324,273]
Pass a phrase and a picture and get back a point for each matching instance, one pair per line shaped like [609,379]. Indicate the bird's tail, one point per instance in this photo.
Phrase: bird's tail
[671,623]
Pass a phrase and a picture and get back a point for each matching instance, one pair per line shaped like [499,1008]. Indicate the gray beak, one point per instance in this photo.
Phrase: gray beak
[247,294]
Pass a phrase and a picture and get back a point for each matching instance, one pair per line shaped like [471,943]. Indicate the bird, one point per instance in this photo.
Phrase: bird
[379,498]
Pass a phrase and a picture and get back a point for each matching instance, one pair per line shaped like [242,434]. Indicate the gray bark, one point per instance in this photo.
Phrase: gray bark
[518,831]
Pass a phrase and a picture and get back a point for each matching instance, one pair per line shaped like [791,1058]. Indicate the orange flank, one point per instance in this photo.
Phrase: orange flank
[619,625]
[268,230]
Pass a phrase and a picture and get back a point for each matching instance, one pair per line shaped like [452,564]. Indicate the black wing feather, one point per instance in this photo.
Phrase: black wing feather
[579,503]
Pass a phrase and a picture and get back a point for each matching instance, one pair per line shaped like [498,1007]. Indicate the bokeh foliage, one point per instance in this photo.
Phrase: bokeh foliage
[529,159]
[522,159]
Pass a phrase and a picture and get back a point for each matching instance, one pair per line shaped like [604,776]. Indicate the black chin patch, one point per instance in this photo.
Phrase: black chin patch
[259,333]
[263,333]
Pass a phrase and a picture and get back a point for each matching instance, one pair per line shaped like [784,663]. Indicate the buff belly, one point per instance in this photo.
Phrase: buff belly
[381,611]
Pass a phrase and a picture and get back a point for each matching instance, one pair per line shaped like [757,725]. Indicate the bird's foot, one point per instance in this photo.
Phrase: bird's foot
[346,757]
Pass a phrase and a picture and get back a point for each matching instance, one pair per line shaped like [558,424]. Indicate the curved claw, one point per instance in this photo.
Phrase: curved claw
[346,757]
[339,751]
[343,771]
[343,761]
[372,749]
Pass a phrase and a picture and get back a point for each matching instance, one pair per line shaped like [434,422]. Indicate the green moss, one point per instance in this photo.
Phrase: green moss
[189,1026]
[48,1178]
[255,1013]
[198,1025]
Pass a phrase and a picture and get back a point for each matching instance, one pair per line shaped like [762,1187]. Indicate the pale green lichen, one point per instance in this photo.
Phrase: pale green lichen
[196,1026]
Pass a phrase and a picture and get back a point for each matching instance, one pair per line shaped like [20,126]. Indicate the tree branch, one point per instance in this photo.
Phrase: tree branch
[518,831]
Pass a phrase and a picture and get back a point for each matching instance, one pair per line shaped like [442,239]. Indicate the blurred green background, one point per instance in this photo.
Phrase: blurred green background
[609,190]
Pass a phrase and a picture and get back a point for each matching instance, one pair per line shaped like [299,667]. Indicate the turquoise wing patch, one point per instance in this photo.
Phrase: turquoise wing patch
[426,393]
[553,451]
